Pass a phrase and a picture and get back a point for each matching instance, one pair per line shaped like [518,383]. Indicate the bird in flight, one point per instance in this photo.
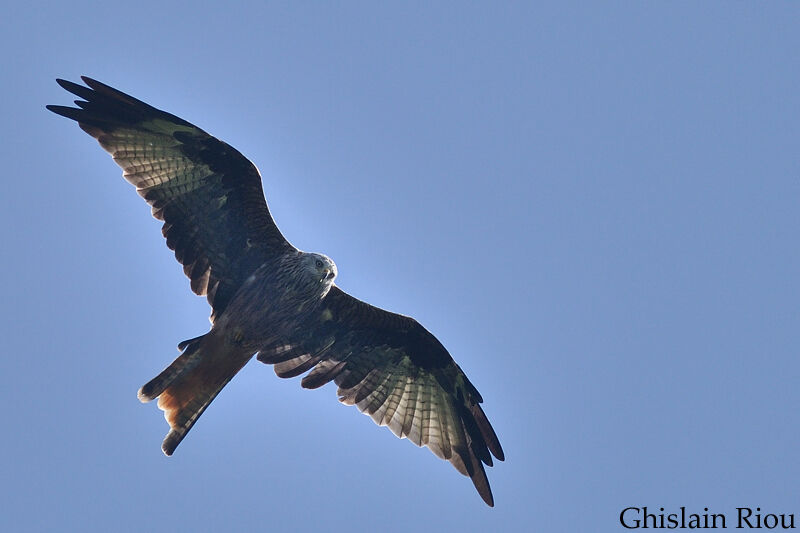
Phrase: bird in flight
[272,300]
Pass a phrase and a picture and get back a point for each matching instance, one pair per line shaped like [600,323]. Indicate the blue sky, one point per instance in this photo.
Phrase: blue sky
[594,206]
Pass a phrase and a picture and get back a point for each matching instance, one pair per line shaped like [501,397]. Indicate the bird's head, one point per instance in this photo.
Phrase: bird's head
[321,267]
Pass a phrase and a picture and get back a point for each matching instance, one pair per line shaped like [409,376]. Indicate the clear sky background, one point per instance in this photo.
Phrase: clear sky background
[594,206]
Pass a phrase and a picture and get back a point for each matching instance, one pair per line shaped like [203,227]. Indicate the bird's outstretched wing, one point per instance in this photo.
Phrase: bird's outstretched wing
[207,193]
[398,373]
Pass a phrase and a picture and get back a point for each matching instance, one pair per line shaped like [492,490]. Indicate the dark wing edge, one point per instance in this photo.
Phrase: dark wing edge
[208,195]
[398,373]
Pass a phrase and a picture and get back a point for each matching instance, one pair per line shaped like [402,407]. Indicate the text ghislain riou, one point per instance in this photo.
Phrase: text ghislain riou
[743,518]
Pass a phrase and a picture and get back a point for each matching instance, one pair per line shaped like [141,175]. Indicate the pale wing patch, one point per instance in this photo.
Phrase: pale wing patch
[167,127]
[154,164]
[152,160]
[412,404]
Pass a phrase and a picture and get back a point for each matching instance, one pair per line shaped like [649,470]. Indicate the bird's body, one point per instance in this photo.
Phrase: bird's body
[281,297]
[271,299]
[277,299]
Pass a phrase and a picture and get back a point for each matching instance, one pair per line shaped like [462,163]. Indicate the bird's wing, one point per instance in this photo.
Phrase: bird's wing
[208,194]
[398,373]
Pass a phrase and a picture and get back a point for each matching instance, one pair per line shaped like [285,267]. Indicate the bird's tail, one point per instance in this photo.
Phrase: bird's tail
[187,386]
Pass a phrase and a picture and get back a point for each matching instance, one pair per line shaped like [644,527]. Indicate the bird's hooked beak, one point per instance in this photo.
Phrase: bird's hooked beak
[327,273]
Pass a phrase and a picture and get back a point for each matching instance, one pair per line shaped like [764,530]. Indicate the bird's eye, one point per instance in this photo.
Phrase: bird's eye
[319,263]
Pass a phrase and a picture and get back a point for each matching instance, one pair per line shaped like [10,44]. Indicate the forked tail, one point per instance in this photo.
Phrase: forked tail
[187,386]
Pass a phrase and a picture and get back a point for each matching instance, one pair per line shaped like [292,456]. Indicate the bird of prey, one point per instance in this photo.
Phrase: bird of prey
[272,300]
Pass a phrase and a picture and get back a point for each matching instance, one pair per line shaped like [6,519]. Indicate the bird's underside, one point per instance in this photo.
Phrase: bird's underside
[270,299]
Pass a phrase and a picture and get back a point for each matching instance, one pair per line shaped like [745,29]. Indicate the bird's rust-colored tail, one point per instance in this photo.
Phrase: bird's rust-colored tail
[187,386]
